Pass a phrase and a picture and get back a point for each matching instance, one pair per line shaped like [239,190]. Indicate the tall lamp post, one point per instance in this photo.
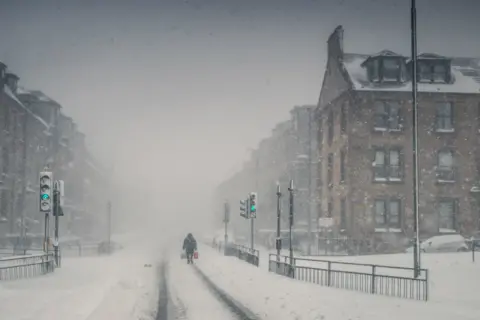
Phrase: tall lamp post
[416,246]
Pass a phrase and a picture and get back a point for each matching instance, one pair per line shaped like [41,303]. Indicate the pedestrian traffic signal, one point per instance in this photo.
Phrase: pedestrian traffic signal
[243,209]
[46,191]
[253,205]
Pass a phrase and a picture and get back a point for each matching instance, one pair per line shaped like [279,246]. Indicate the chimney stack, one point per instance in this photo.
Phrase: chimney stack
[335,44]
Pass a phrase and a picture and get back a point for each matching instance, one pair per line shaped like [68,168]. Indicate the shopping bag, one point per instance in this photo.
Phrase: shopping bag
[183,255]
[195,255]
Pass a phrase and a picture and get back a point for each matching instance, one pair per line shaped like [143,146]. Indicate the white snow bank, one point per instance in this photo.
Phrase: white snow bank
[275,297]
[88,288]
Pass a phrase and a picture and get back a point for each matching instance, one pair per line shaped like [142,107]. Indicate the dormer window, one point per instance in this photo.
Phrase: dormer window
[386,66]
[433,68]
[391,69]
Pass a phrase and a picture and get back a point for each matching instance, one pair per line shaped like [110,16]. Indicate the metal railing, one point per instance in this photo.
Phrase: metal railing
[14,268]
[375,279]
[281,265]
[246,254]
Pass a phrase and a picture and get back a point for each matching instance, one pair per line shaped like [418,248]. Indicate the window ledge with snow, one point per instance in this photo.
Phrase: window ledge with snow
[439,130]
[443,181]
[387,179]
[385,129]
[383,229]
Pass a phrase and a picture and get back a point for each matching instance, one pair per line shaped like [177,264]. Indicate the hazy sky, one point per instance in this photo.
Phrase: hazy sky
[174,91]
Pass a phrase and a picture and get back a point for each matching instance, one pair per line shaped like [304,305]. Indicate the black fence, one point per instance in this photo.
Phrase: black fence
[375,279]
[244,253]
[281,265]
[15,268]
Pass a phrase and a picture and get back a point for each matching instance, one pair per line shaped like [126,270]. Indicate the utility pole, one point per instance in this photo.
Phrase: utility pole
[309,209]
[109,226]
[278,242]
[226,219]
[290,190]
[416,246]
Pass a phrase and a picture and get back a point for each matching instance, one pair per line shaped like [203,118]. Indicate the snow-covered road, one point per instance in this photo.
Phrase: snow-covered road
[190,298]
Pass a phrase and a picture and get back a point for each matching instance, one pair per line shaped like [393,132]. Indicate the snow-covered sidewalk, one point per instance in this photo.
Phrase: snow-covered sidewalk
[275,297]
[89,288]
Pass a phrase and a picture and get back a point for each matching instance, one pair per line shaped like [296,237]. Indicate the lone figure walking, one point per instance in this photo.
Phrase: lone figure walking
[190,246]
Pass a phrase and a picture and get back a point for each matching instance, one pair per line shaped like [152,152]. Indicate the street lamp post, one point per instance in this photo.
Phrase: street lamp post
[416,247]
[309,205]
[278,242]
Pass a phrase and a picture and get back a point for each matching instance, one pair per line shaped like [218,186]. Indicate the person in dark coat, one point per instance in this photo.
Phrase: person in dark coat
[190,246]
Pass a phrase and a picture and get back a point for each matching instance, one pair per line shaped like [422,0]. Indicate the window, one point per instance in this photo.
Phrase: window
[445,166]
[387,116]
[330,127]
[330,209]
[444,117]
[446,210]
[424,72]
[433,71]
[439,73]
[387,213]
[342,166]
[343,118]
[387,165]
[330,170]
[391,69]
[343,214]
[373,70]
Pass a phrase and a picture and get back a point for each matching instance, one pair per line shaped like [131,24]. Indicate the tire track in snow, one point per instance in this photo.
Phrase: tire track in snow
[162,309]
[240,311]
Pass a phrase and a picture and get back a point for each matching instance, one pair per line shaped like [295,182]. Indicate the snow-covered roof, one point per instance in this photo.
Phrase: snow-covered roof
[12,95]
[465,78]
[37,94]
[93,166]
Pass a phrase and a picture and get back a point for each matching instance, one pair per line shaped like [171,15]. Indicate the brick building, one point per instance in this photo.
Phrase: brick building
[365,120]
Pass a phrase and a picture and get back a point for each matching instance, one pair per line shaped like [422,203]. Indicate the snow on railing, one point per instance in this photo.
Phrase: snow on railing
[19,267]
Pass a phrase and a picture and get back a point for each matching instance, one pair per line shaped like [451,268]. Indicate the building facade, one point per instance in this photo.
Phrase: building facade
[36,135]
[282,156]
[365,128]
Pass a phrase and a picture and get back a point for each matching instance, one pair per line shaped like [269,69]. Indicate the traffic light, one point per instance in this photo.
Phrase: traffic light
[253,205]
[46,184]
[58,193]
[243,209]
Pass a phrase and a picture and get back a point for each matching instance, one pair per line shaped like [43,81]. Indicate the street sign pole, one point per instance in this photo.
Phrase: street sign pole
[109,227]
[226,219]
[278,242]
[290,190]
